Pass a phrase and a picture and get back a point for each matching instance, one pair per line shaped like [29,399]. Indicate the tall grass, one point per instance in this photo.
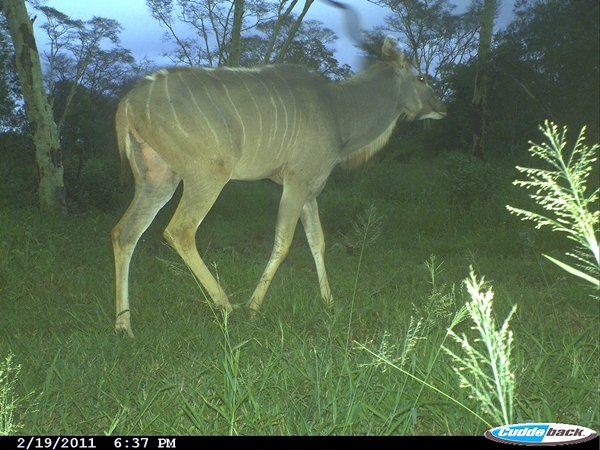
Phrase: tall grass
[483,369]
[484,365]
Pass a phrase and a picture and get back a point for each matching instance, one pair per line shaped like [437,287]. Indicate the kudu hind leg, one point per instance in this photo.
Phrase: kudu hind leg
[196,201]
[316,241]
[147,201]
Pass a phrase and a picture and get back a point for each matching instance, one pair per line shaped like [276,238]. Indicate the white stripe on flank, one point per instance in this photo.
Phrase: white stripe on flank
[238,69]
[273,133]
[295,128]
[260,120]
[238,114]
[153,76]
[173,107]
[128,136]
[281,147]
[215,104]
[251,151]
[148,116]
[275,123]
[200,112]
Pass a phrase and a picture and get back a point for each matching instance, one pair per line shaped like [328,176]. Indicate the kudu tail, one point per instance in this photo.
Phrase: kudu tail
[123,139]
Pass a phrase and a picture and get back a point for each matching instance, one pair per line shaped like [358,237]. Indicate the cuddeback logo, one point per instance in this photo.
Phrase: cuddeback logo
[540,434]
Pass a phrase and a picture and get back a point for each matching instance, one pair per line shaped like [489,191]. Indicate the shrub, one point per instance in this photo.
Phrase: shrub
[467,180]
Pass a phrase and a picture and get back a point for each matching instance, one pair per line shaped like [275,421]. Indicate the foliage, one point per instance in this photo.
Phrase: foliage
[485,368]
[270,32]
[86,184]
[78,56]
[88,123]
[530,73]
[535,58]
[211,24]
[18,170]
[87,170]
[310,47]
[11,115]
[86,71]
[564,192]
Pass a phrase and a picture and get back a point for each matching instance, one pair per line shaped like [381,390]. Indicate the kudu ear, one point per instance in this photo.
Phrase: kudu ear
[392,55]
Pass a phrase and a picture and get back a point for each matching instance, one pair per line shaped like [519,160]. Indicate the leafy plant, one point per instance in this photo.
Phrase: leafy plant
[562,191]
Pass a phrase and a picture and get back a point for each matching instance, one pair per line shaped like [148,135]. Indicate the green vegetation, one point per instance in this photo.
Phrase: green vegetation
[300,368]
[8,402]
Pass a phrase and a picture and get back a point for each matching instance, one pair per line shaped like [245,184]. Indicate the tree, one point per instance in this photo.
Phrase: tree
[284,14]
[236,34]
[550,56]
[542,66]
[309,47]
[291,35]
[76,56]
[482,78]
[86,69]
[218,27]
[39,112]
[211,23]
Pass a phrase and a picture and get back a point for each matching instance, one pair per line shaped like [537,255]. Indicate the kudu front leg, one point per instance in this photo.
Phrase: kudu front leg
[290,207]
[316,241]
[196,201]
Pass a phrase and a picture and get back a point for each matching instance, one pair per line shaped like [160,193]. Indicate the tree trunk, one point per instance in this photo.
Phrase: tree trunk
[236,34]
[293,31]
[281,17]
[39,112]
[481,78]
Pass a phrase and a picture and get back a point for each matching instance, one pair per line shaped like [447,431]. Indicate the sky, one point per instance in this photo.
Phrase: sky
[143,35]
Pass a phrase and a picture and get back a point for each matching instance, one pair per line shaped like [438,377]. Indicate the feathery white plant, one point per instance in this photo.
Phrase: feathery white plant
[485,367]
[562,191]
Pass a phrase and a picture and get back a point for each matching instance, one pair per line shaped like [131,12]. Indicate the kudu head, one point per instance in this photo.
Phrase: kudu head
[418,100]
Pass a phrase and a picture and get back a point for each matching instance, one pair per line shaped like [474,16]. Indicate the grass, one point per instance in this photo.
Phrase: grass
[485,368]
[300,368]
[8,402]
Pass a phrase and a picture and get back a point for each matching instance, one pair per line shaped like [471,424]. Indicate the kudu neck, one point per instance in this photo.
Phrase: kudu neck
[367,106]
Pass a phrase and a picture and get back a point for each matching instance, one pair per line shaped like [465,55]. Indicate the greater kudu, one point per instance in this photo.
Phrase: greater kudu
[209,126]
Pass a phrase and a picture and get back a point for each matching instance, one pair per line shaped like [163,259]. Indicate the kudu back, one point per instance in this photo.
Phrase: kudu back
[208,126]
